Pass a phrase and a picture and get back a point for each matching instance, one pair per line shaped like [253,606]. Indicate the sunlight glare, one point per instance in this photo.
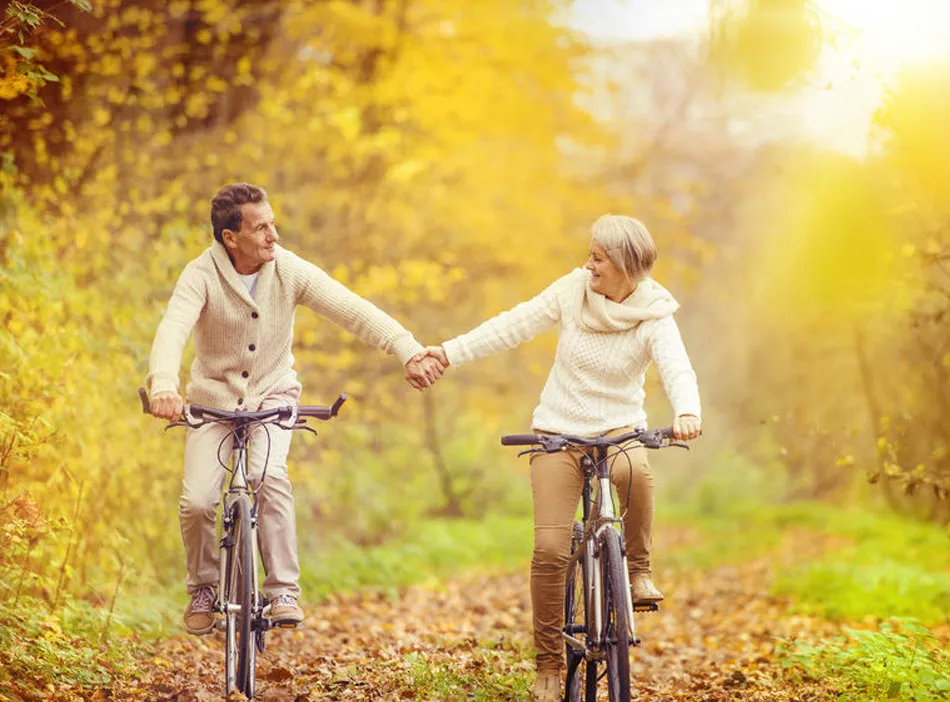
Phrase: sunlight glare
[892,33]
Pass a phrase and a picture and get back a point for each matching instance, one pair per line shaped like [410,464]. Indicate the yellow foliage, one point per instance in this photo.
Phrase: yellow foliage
[417,157]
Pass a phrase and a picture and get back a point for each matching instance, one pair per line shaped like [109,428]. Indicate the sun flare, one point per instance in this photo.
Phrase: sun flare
[894,33]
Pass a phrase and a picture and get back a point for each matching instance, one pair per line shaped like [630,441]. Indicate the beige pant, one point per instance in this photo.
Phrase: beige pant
[201,494]
[556,485]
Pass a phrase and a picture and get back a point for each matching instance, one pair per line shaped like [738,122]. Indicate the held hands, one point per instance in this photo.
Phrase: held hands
[426,367]
[167,405]
[687,426]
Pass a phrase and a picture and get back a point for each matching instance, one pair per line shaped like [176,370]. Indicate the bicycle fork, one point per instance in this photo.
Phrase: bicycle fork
[227,544]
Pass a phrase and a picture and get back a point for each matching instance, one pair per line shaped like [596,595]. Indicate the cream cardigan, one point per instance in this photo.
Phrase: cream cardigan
[603,352]
[244,344]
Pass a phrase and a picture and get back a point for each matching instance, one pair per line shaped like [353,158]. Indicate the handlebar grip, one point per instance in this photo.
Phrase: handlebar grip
[520,439]
[337,404]
[666,432]
[146,405]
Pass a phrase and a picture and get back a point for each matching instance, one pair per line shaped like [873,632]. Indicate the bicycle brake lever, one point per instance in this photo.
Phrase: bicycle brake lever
[531,450]
[181,423]
[680,444]
[298,427]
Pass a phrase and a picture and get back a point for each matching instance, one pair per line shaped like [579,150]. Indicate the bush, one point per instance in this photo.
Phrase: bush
[903,660]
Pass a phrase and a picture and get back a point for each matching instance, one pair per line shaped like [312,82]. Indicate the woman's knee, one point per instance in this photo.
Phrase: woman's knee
[637,469]
[552,546]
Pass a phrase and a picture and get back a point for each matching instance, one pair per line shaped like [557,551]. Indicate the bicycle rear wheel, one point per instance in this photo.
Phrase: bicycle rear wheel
[240,639]
[616,635]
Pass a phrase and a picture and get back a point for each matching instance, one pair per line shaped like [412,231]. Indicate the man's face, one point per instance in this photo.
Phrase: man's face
[253,245]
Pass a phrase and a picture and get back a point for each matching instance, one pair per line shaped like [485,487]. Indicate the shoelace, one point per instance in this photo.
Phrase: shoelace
[202,600]
[284,601]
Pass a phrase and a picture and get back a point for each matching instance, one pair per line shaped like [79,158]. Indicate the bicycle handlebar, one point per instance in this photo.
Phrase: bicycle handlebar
[550,443]
[280,413]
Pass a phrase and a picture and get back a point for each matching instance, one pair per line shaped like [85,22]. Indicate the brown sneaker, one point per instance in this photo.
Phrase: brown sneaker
[547,688]
[284,611]
[642,589]
[199,619]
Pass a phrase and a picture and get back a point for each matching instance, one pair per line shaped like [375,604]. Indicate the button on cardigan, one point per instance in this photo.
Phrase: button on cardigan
[243,344]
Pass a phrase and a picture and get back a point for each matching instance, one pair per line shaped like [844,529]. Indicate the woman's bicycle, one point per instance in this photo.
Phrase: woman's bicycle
[598,610]
[239,599]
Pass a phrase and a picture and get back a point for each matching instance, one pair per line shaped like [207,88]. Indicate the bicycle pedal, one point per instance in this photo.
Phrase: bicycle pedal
[646,607]
[286,625]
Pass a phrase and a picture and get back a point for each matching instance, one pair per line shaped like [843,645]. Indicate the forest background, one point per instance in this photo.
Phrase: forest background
[445,160]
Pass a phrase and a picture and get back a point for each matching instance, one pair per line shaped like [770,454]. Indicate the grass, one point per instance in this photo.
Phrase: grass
[484,676]
[429,550]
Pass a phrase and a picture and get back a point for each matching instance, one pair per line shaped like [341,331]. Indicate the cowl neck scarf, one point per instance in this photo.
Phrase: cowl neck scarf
[649,300]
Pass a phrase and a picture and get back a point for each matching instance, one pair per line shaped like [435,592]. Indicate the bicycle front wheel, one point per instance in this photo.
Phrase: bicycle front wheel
[575,617]
[240,641]
[616,635]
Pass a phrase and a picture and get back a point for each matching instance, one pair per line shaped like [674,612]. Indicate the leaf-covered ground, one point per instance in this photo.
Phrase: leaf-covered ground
[714,639]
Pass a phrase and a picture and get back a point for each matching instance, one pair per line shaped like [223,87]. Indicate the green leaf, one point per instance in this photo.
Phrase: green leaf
[23,51]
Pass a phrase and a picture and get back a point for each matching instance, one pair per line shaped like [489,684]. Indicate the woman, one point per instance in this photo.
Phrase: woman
[614,320]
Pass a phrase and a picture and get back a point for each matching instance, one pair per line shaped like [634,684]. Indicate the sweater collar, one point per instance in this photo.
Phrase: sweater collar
[649,300]
[219,254]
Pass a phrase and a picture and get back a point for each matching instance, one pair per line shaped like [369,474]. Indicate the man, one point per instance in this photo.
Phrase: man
[239,298]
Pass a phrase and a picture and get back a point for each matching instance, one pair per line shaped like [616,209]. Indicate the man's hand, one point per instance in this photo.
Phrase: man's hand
[167,405]
[425,368]
[687,426]
[438,353]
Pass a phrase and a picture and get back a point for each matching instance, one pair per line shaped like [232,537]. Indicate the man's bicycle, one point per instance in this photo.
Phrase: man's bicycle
[239,598]
[598,610]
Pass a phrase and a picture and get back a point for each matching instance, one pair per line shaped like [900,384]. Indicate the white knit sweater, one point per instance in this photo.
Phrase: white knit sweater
[243,343]
[603,352]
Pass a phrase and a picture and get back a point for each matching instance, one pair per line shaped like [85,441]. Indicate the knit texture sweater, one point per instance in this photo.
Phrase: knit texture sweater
[244,344]
[604,350]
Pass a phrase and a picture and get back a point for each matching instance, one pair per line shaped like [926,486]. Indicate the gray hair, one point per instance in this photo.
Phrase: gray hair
[627,243]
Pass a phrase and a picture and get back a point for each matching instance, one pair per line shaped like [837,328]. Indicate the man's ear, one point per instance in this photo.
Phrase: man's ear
[229,237]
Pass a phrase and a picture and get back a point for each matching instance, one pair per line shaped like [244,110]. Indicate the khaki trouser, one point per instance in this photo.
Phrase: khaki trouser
[201,494]
[556,485]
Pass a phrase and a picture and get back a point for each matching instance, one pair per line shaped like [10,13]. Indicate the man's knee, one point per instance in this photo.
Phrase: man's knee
[193,506]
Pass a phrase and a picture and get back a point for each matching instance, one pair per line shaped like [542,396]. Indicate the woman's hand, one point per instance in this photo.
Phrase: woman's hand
[686,427]
[438,353]
[426,367]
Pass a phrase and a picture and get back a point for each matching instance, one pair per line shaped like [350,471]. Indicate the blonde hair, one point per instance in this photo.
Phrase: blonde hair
[627,243]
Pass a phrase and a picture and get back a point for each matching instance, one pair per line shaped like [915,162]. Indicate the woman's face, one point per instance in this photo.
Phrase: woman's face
[605,277]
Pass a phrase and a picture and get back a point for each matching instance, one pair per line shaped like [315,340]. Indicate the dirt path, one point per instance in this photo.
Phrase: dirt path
[468,639]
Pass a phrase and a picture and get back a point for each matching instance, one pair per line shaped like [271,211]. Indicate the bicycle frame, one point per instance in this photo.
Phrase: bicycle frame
[594,527]
[237,486]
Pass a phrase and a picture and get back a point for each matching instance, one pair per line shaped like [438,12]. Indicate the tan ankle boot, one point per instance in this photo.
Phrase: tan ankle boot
[547,688]
[642,589]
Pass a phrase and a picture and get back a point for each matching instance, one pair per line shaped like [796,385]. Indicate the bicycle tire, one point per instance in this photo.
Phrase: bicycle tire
[240,639]
[616,634]
[575,587]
